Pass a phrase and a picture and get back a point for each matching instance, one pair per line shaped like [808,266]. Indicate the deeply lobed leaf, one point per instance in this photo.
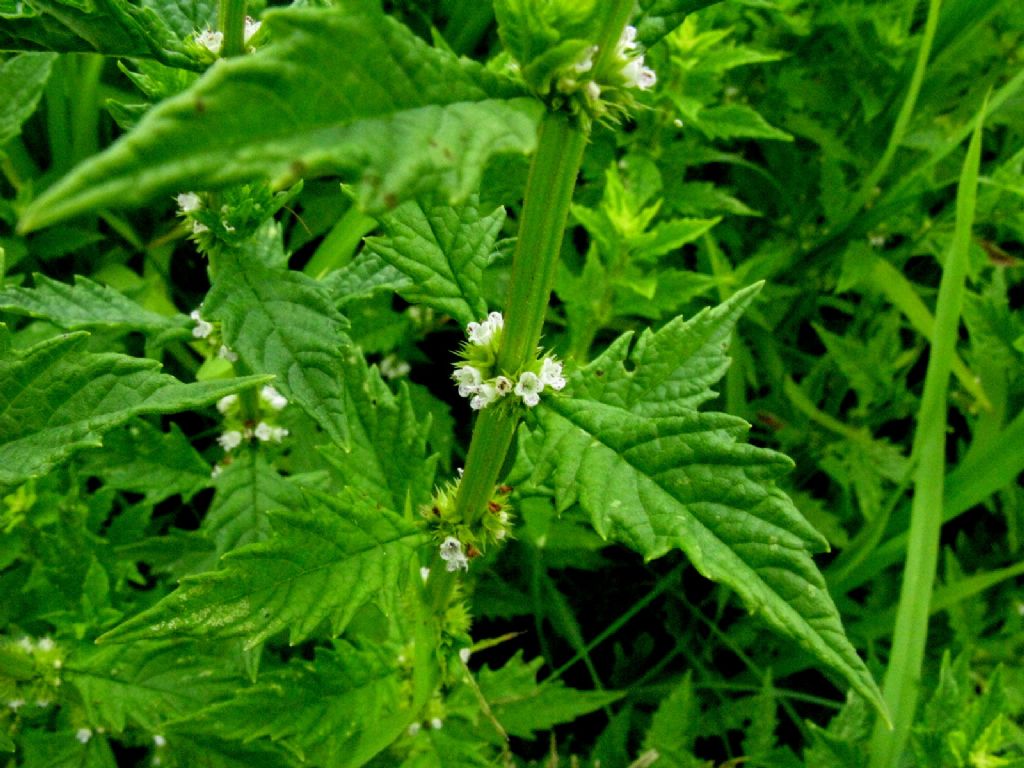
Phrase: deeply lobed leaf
[325,560]
[655,474]
[345,90]
[56,398]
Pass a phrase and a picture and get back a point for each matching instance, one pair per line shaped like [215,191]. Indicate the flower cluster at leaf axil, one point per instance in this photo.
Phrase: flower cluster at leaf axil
[458,540]
[479,379]
[38,663]
[245,421]
[235,216]
[207,43]
[586,84]
[205,330]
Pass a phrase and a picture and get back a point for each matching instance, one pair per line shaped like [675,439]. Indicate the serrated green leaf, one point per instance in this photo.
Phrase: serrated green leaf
[443,251]
[325,560]
[386,458]
[142,459]
[56,398]
[110,27]
[524,707]
[655,474]
[85,304]
[282,322]
[22,79]
[659,17]
[736,121]
[675,727]
[145,684]
[402,118]
[248,489]
[320,710]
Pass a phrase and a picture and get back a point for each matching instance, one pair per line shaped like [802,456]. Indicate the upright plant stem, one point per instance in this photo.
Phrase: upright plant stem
[545,212]
[548,194]
[903,675]
[231,21]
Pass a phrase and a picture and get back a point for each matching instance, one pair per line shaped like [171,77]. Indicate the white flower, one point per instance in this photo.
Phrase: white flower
[211,40]
[638,75]
[413,729]
[230,440]
[551,374]
[464,654]
[27,644]
[198,228]
[83,735]
[16,704]
[392,367]
[265,432]
[587,62]
[159,740]
[215,472]
[203,328]
[273,398]
[436,723]
[226,354]
[424,574]
[251,28]
[43,703]
[486,394]
[469,380]
[482,333]
[45,645]
[452,554]
[529,388]
[502,385]
[226,402]
[627,40]
[593,91]
[188,202]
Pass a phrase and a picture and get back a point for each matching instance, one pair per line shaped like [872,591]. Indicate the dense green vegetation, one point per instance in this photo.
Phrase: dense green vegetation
[529,382]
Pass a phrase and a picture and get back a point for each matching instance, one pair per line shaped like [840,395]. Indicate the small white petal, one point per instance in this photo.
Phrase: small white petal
[188,202]
[45,644]
[593,91]
[211,40]
[464,654]
[413,729]
[436,723]
[16,704]
[424,574]
[226,402]
[226,354]
[587,62]
[529,388]
[273,398]
[262,431]
[198,228]
[251,28]
[469,379]
[159,740]
[230,440]
[83,735]
[215,472]
[551,374]
[486,394]
[502,385]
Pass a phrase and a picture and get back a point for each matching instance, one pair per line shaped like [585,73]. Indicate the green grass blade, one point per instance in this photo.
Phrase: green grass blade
[900,687]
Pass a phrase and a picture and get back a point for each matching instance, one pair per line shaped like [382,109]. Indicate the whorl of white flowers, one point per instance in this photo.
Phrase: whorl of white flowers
[627,65]
[479,381]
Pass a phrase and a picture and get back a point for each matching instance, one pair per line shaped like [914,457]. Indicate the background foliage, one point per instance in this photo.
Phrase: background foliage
[818,147]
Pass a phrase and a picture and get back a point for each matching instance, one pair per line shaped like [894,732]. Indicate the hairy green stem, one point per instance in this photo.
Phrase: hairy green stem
[549,189]
[545,212]
[231,21]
